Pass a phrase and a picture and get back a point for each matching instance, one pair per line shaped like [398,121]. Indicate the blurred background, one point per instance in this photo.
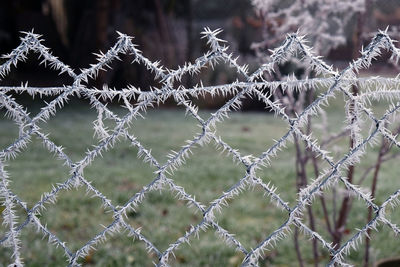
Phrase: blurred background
[166,30]
[169,31]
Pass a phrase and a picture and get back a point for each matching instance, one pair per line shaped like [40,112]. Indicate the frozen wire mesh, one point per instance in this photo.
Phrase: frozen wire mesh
[254,84]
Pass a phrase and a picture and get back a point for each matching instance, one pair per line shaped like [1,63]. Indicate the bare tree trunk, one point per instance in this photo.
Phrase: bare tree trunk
[382,151]
[102,7]
[297,247]
[301,177]
[189,32]
[298,185]
[346,203]
[301,183]
[164,32]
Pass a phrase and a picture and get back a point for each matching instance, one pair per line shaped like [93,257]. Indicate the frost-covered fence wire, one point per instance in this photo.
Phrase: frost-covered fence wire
[250,84]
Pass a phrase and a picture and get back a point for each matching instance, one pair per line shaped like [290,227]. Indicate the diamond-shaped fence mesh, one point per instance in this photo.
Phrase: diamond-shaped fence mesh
[254,85]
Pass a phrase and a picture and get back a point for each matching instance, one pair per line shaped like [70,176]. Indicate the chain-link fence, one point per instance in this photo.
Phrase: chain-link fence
[137,101]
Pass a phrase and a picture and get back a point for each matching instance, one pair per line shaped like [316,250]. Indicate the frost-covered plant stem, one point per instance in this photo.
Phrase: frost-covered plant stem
[346,203]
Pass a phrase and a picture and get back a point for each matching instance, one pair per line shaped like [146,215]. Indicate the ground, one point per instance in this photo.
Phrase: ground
[119,174]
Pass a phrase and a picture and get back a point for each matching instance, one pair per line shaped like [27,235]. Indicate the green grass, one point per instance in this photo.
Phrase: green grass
[76,217]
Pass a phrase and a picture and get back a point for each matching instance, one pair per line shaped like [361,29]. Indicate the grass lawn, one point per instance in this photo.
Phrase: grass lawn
[119,174]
